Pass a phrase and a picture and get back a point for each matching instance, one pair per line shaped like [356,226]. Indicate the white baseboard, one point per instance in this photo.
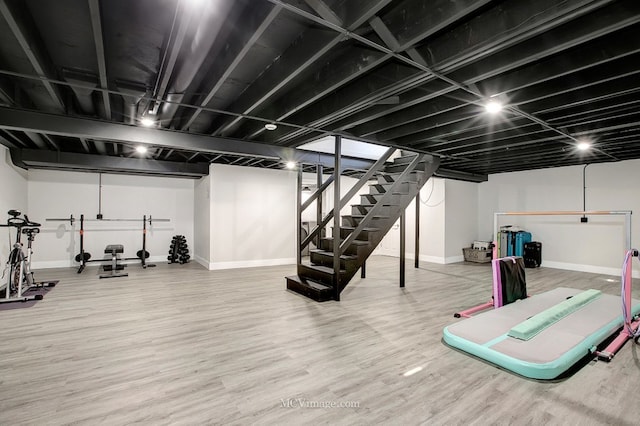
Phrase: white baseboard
[454,259]
[423,258]
[604,270]
[250,263]
[201,261]
[432,259]
[50,264]
[441,260]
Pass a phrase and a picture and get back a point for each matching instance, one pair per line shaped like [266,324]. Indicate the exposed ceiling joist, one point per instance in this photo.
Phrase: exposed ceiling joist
[12,119]
[399,73]
[242,47]
[39,159]
[29,41]
[96,25]
[324,11]
[304,53]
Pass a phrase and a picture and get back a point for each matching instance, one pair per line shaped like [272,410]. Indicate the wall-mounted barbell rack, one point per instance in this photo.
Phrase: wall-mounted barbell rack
[84,257]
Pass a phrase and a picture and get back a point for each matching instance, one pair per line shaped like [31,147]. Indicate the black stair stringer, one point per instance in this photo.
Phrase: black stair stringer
[393,191]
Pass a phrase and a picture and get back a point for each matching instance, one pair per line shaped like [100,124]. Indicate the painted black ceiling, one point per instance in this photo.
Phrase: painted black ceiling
[78,76]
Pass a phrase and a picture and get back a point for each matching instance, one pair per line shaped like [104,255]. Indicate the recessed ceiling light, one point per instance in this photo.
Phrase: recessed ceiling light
[493,107]
[291,165]
[270,126]
[147,122]
[141,149]
[583,146]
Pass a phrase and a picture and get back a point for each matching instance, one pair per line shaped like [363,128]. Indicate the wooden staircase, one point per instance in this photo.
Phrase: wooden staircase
[391,190]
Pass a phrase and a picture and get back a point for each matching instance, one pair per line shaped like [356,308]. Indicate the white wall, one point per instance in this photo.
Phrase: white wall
[202,221]
[596,246]
[13,195]
[447,223]
[253,217]
[246,217]
[461,226]
[55,194]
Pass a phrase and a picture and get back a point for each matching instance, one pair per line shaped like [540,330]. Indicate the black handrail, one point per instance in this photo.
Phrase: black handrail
[316,194]
[376,167]
[363,223]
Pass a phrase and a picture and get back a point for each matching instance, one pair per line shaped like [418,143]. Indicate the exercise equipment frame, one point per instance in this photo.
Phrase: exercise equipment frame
[491,304]
[84,257]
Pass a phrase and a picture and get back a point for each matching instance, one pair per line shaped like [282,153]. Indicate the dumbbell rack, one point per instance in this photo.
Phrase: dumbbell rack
[178,250]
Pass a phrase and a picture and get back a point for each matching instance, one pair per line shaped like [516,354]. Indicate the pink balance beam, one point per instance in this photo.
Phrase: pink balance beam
[467,313]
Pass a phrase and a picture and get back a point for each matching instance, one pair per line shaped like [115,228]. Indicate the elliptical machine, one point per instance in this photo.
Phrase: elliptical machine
[20,278]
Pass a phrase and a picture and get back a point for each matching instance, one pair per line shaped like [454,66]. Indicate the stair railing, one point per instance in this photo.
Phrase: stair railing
[375,168]
[313,233]
[365,221]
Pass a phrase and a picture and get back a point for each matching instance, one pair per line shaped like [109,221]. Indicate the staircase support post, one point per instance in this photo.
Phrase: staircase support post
[402,246]
[299,215]
[363,270]
[417,244]
[319,170]
[336,217]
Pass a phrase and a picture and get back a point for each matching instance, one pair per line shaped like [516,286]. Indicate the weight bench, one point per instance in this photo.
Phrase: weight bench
[114,250]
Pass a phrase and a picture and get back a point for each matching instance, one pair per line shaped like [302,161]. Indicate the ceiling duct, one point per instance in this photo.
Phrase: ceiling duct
[83,85]
[131,94]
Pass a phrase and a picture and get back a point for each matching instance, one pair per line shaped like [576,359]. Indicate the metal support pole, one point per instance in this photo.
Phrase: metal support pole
[417,250]
[402,246]
[336,217]
[363,270]
[299,215]
[319,170]
[627,226]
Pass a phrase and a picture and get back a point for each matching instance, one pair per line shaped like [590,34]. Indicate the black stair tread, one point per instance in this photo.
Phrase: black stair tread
[311,289]
[309,282]
[321,268]
[376,194]
[354,242]
[352,228]
[372,205]
[330,253]
[378,216]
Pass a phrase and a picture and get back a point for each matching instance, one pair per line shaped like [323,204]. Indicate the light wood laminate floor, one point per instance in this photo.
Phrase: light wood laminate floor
[178,344]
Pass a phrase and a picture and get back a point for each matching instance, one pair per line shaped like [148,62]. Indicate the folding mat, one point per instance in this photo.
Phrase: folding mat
[542,336]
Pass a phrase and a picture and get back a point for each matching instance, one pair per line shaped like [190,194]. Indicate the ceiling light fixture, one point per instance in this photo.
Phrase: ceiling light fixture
[291,165]
[147,122]
[493,106]
[583,146]
[270,126]
[141,149]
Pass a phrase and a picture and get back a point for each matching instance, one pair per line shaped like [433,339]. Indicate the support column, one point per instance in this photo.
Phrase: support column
[299,215]
[417,245]
[363,270]
[319,170]
[336,217]
[402,247]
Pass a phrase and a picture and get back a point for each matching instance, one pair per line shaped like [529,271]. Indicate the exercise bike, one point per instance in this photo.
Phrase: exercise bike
[20,278]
